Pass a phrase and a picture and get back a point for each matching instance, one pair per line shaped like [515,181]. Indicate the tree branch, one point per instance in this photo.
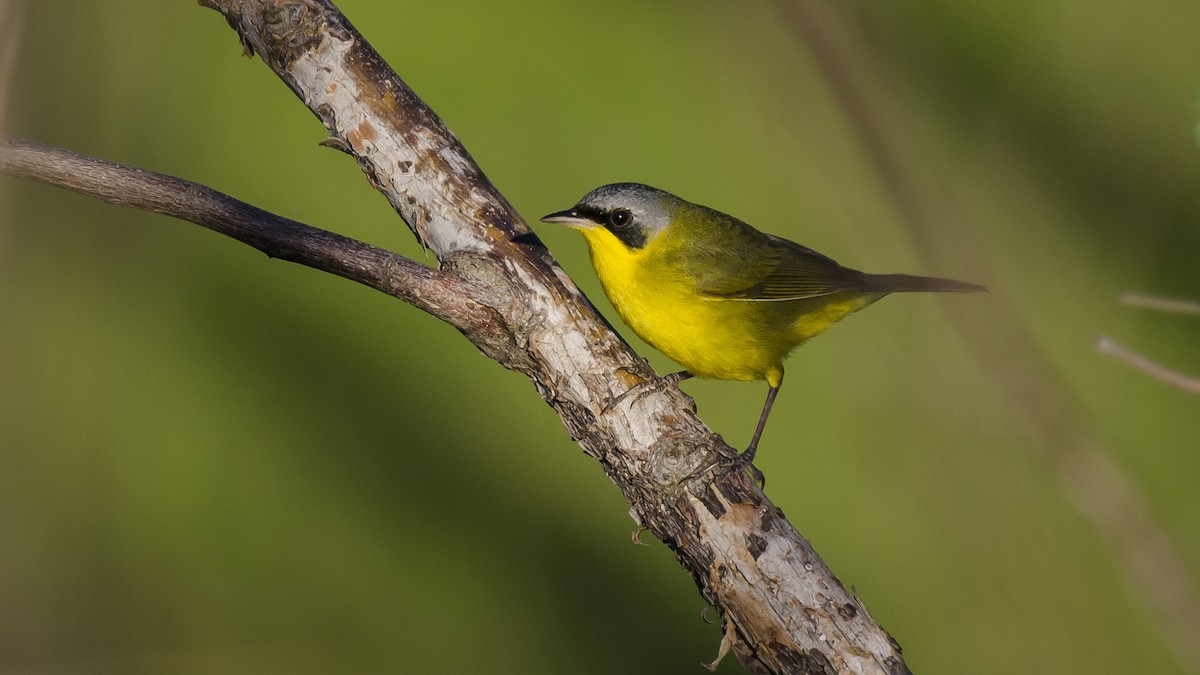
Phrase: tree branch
[785,611]
[442,295]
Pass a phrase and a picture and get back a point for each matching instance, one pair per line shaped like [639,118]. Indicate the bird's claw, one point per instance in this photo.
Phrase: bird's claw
[745,462]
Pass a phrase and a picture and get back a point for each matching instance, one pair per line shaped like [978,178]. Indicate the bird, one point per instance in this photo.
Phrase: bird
[719,297]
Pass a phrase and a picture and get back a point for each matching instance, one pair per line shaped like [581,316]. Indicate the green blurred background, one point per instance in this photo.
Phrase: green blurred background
[215,462]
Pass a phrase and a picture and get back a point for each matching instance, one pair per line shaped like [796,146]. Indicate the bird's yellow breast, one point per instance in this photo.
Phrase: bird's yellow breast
[711,337]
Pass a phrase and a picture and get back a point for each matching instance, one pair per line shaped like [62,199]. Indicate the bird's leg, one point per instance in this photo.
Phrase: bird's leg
[748,454]
[653,383]
[746,459]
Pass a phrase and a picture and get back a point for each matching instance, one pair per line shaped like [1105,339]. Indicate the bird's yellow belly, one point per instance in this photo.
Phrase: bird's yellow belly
[729,339]
[711,337]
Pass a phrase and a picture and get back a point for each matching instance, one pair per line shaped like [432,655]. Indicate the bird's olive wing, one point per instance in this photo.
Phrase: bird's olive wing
[766,267]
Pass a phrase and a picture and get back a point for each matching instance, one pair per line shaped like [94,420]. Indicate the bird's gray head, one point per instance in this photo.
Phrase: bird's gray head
[633,212]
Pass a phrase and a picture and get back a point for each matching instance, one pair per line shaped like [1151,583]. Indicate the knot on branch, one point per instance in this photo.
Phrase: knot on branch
[674,460]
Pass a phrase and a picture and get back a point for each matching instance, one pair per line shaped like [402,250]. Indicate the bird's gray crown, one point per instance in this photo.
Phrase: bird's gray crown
[649,209]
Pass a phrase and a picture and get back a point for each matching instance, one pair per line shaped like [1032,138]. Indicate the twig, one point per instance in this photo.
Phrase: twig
[1110,347]
[1173,305]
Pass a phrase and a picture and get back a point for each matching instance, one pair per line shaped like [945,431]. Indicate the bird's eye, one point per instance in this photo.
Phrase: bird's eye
[619,217]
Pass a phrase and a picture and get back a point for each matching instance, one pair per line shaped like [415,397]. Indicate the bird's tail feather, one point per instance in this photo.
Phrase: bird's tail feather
[907,283]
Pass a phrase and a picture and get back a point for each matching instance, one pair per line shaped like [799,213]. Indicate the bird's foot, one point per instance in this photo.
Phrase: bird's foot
[644,386]
[745,462]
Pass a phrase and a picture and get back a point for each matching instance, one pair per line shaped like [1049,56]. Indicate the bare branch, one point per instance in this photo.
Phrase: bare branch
[785,611]
[1158,371]
[442,295]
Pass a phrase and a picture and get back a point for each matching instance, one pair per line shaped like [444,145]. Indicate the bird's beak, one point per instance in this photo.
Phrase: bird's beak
[570,217]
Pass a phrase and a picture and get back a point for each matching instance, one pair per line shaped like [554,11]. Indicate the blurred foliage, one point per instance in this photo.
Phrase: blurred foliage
[214,462]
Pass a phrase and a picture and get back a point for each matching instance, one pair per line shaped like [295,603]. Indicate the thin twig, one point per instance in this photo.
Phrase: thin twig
[1158,371]
[1162,304]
